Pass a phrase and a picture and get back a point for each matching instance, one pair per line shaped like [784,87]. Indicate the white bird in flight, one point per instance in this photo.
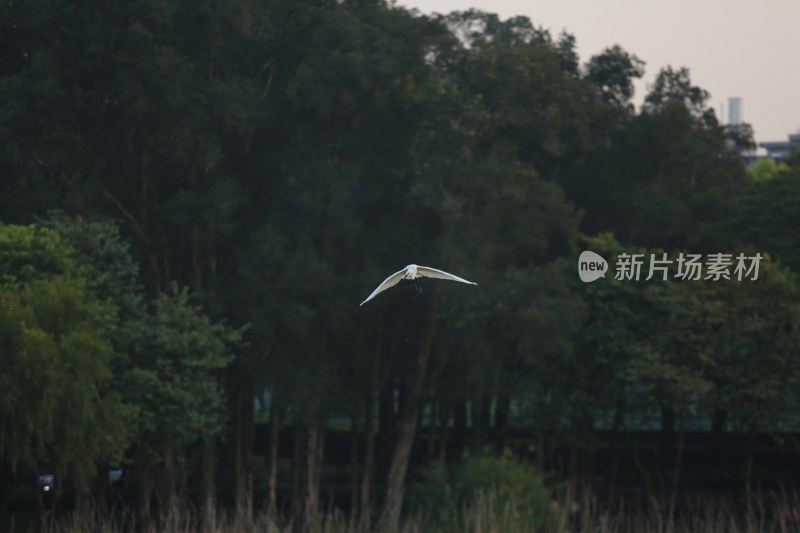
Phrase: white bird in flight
[413,272]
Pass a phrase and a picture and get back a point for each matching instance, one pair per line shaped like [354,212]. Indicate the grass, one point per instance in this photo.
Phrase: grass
[489,513]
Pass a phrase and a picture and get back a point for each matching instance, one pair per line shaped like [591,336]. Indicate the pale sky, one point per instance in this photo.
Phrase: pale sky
[733,48]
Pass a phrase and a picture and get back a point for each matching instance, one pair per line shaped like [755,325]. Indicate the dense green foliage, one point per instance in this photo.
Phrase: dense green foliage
[233,177]
[88,373]
[447,490]
[57,407]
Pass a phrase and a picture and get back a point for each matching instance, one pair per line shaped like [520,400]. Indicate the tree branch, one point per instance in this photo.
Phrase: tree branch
[125,213]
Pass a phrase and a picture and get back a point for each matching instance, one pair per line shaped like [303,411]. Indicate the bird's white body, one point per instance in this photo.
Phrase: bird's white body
[411,272]
[414,272]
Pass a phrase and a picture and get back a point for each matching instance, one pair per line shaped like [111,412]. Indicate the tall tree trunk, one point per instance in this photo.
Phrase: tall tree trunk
[6,479]
[83,497]
[573,485]
[299,468]
[444,422]
[749,449]
[365,512]
[144,478]
[170,500]
[434,419]
[633,444]
[243,452]
[401,388]
[459,427]
[393,503]
[274,445]
[208,501]
[580,454]
[718,423]
[101,488]
[675,479]
[619,419]
[501,417]
[540,452]
[314,457]
[355,431]
[307,468]
[480,422]
[666,448]
[387,421]
[366,480]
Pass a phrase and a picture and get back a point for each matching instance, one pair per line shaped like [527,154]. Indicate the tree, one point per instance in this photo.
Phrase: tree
[475,169]
[169,355]
[174,357]
[674,87]
[767,212]
[613,72]
[668,177]
[767,169]
[740,139]
[59,409]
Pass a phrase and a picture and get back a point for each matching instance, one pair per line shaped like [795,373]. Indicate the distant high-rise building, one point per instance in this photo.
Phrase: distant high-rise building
[780,150]
[734,111]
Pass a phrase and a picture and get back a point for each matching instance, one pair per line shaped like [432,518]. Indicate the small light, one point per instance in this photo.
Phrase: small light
[46,488]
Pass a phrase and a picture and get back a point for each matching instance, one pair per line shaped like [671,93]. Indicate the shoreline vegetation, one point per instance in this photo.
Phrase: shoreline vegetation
[474,495]
[489,512]
[195,197]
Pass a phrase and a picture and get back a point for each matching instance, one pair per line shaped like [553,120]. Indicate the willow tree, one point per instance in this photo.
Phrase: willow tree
[60,410]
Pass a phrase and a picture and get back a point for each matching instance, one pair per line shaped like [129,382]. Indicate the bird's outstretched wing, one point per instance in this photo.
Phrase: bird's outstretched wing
[391,281]
[429,272]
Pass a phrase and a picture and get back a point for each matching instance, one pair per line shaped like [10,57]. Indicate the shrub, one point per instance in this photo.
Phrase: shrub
[452,494]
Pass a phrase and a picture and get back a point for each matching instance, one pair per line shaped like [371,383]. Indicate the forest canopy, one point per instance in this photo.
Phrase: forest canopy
[195,197]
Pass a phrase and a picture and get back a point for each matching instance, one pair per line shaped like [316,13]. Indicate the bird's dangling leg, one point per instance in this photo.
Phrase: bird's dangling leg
[419,289]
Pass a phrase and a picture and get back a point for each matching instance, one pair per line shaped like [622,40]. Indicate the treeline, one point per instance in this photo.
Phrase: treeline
[276,159]
[95,372]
